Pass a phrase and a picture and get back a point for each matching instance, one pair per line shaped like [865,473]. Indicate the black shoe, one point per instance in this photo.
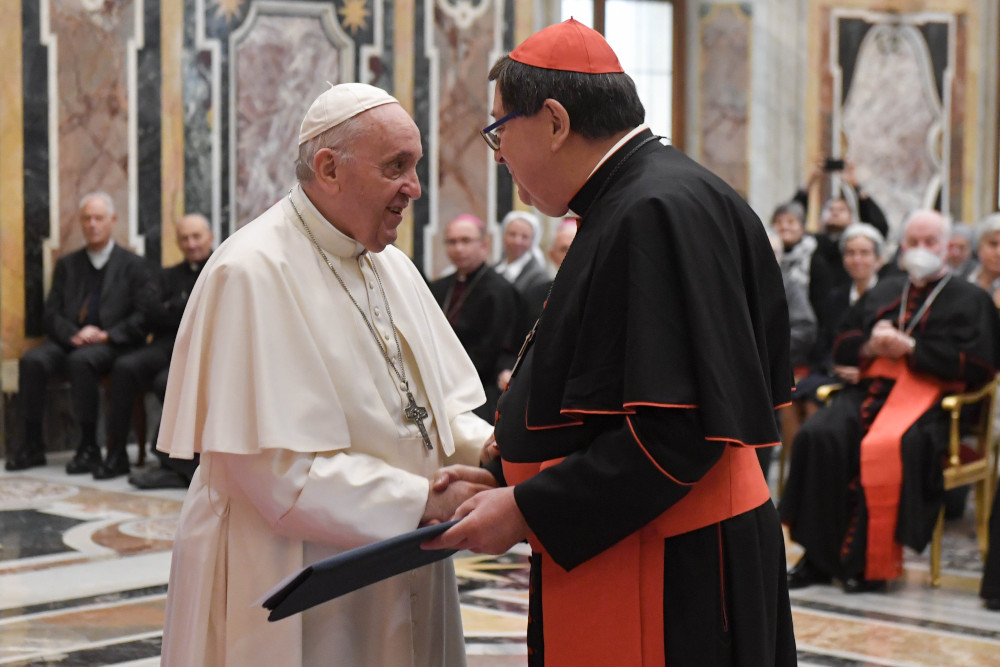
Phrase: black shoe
[117,464]
[84,461]
[993,604]
[806,574]
[158,478]
[859,585]
[23,460]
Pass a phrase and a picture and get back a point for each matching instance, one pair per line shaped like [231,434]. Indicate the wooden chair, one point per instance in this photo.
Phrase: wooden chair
[972,462]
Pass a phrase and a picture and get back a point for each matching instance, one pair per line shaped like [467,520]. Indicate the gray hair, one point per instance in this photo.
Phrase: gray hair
[339,138]
[791,208]
[98,194]
[857,229]
[945,222]
[963,231]
[989,225]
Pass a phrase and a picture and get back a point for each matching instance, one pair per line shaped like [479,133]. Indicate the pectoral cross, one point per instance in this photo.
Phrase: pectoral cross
[524,348]
[417,414]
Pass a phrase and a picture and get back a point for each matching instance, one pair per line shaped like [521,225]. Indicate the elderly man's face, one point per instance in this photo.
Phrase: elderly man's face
[989,253]
[465,245]
[380,177]
[959,250]
[521,151]
[194,238]
[925,231]
[97,223]
[517,239]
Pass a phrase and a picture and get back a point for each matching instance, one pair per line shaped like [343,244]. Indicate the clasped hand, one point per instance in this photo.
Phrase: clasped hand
[491,521]
[888,341]
[89,335]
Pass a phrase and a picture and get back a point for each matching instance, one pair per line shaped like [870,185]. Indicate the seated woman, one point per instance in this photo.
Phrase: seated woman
[862,247]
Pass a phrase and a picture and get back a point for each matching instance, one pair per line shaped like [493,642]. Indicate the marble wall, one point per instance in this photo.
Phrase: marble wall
[193,106]
[898,92]
[723,120]
[173,107]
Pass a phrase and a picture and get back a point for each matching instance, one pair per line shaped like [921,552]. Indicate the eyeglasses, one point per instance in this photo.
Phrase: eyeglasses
[490,136]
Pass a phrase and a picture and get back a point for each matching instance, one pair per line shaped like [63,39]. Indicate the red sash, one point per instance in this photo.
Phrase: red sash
[609,609]
[881,460]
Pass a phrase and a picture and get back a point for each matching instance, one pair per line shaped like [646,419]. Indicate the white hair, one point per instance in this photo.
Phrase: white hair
[339,138]
[863,229]
[988,226]
[945,222]
[98,194]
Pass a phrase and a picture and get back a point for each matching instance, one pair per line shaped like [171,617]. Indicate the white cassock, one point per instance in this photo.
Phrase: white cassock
[305,451]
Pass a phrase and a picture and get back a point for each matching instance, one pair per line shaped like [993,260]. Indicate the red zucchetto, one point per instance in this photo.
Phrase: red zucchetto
[569,46]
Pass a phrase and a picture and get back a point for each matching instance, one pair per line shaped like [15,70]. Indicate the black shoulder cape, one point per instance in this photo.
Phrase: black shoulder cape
[669,296]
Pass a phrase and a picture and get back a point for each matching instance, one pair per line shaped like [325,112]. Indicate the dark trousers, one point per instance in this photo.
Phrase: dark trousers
[131,374]
[84,366]
[184,467]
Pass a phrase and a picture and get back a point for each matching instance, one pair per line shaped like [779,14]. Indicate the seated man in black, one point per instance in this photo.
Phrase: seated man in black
[480,304]
[865,472]
[146,368]
[91,318]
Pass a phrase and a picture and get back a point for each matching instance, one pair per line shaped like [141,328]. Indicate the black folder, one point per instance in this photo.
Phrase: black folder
[332,577]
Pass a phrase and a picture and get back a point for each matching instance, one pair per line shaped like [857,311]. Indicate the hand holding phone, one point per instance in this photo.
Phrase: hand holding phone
[833,164]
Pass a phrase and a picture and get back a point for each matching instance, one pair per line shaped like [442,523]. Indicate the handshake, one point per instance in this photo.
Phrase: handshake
[453,485]
[491,521]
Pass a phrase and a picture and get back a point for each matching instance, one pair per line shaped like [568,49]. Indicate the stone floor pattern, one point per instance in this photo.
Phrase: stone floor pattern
[84,565]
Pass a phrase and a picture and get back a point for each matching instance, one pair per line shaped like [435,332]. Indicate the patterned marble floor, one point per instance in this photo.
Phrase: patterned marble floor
[84,564]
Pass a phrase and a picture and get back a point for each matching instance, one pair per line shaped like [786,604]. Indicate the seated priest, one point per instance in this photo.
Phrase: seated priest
[865,472]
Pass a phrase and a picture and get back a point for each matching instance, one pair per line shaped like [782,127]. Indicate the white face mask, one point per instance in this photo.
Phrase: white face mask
[921,263]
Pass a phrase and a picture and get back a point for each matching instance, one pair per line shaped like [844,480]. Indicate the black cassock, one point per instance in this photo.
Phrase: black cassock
[957,339]
[666,317]
[485,319]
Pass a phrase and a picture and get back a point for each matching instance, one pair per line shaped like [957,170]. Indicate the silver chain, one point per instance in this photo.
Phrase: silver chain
[401,372]
[908,330]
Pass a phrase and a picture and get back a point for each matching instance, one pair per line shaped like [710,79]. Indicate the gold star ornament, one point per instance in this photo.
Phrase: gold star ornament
[355,14]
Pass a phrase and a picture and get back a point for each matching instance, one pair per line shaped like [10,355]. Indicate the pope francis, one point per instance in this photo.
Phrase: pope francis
[323,387]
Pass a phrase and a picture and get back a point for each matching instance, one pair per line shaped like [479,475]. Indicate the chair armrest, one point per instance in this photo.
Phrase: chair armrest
[953,402]
[824,392]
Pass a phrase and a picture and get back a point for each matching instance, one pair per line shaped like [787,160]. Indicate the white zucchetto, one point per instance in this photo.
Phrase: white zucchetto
[340,102]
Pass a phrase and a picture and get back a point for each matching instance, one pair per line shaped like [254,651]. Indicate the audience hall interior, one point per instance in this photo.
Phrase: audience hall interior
[760,92]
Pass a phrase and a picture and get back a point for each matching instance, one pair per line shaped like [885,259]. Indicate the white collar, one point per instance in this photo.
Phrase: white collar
[854,295]
[100,258]
[614,149]
[329,238]
[511,270]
